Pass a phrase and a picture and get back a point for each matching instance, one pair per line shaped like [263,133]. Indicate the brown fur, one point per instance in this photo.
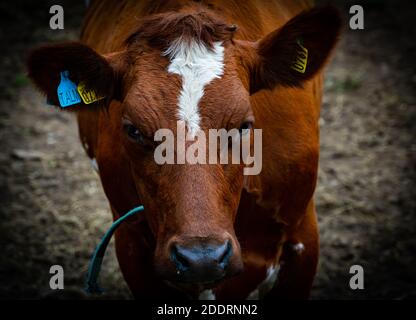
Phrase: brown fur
[196,23]
[260,214]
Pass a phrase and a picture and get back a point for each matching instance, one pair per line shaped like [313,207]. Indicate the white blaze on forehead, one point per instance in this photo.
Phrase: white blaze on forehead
[198,65]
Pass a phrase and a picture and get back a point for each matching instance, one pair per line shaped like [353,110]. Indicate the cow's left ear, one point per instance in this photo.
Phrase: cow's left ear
[100,73]
[295,52]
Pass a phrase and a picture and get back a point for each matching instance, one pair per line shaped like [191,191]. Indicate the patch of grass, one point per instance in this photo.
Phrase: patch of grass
[349,83]
[20,80]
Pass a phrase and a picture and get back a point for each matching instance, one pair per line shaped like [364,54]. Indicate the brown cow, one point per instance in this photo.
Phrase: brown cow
[207,230]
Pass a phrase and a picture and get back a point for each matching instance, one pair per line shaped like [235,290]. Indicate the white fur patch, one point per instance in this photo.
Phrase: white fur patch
[266,285]
[206,295]
[198,65]
[94,165]
[298,247]
[85,145]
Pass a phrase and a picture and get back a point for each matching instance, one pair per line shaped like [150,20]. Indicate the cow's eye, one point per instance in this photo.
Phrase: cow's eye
[134,133]
[245,127]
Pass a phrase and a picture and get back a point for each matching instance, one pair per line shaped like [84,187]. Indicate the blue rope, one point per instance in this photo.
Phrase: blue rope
[98,256]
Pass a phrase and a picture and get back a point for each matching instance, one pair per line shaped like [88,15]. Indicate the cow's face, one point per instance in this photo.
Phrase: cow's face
[172,78]
[190,206]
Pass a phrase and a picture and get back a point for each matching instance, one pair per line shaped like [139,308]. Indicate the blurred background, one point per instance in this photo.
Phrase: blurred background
[53,209]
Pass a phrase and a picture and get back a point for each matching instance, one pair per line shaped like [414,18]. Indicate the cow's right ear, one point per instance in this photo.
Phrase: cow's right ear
[98,72]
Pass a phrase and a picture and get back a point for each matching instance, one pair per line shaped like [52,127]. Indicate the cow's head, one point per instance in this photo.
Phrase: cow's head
[186,66]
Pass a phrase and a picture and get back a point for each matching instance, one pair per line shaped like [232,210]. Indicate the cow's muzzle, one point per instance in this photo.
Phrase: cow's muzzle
[202,262]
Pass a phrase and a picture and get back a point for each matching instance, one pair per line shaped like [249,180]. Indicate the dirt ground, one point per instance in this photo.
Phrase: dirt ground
[52,206]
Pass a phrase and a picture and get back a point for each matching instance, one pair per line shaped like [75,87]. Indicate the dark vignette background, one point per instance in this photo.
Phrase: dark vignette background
[53,211]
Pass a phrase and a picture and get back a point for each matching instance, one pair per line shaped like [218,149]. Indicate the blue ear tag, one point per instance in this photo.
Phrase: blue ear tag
[67,91]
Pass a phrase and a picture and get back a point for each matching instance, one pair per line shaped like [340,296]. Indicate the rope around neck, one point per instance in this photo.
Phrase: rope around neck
[98,256]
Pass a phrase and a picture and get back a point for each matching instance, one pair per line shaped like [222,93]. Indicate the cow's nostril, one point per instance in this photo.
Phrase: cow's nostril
[226,255]
[179,259]
[201,262]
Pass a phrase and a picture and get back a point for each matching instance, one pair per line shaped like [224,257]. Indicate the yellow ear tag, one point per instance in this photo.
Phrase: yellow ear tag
[301,59]
[87,95]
